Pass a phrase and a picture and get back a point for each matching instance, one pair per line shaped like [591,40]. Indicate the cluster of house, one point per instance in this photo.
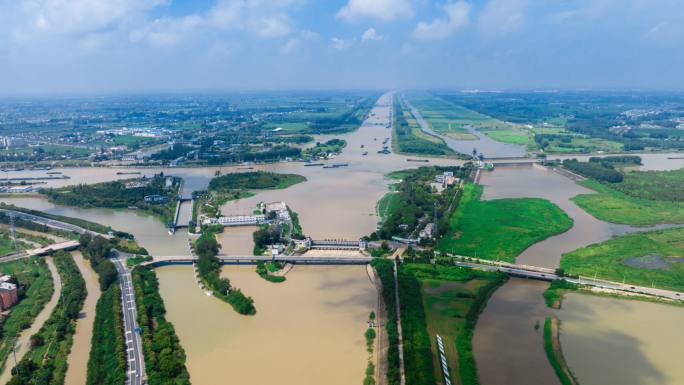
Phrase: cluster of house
[274,211]
[445,180]
[8,293]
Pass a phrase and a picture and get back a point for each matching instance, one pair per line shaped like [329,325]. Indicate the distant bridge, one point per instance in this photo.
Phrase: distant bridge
[253,259]
[545,274]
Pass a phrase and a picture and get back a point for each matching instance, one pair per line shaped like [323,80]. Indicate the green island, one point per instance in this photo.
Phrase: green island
[164,355]
[107,360]
[209,268]
[156,195]
[46,361]
[653,258]
[370,336]
[409,139]
[500,229]
[35,287]
[324,150]
[254,180]
[446,301]
[641,198]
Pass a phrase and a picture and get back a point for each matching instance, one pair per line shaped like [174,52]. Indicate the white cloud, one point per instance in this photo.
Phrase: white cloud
[371,34]
[341,44]
[500,17]
[168,31]
[457,15]
[293,44]
[386,10]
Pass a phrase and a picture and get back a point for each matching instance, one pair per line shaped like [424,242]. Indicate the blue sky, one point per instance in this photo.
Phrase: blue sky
[102,46]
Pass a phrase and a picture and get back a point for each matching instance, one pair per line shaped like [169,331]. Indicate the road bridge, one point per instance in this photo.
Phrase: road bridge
[46,221]
[253,259]
[544,274]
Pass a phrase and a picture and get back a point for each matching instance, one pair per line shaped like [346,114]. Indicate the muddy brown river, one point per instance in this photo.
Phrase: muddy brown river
[309,330]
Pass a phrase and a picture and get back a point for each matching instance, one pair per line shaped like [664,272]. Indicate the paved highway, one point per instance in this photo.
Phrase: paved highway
[134,354]
[327,260]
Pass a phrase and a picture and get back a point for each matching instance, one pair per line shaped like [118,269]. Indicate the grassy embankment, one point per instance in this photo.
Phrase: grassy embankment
[384,270]
[164,355]
[107,360]
[500,229]
[264,268]
[409,139]
[642,198]
[116,195]
[451,120]
[46,361]
[92,226]
[444,300]
[209,268]
[35,287]
[554,352]
[646,259]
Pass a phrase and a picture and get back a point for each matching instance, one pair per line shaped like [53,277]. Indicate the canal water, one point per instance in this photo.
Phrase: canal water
[328,306]
[308,330]
[80,350]
[626,342]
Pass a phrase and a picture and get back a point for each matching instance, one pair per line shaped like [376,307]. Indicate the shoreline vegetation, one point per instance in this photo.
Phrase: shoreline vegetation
[209,268]
[409,139]
[554,352]
[121,194]
[638,198]
[500,229]
[164,355]
[35,287]
[46,361]
[654,258]
[107,360]
[444,300]
[384,269]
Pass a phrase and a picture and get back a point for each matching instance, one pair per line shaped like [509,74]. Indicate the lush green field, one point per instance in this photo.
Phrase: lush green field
[653,185]
[254,180]
[452,119]
[500,229]
[388,204]
[46,361]
[35,289]
[644,259]
[410,139]
[611,205]
[452,299]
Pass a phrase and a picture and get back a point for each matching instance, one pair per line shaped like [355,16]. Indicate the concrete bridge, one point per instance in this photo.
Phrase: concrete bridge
[253,259]
[336,244]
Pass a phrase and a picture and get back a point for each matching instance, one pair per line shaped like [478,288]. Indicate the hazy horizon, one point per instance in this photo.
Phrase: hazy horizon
[88,47]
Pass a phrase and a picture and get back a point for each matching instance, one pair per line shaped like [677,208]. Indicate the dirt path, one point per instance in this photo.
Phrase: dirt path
[558,352]
[23,343]
[80,351]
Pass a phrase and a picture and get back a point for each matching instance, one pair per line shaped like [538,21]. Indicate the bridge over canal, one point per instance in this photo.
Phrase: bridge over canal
[253,259]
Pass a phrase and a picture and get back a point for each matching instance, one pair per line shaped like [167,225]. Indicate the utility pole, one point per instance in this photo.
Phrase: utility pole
[14,353]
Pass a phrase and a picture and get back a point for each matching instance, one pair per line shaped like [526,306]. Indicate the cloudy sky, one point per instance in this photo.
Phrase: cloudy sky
[102,46]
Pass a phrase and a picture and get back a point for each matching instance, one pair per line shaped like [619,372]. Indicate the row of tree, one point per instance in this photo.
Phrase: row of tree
[209,268]
[600,171]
